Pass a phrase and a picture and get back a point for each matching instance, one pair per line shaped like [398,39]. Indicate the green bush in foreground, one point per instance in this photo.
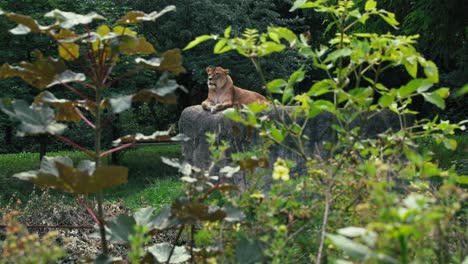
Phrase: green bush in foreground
[377,200]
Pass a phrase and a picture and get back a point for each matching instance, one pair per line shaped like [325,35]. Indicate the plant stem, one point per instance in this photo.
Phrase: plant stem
[173,248]
[97,150]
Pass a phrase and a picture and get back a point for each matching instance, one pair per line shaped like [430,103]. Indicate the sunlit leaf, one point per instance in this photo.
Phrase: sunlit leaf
[132,46]
[350,247]
[119,30]
[413,86]
[198,40]
[69,19]
[26,24]
[276,86]
[171,61]
[157,136]
[66,77]
[431,71]
[434,99]
[34,119]
[65,109]
[134,17]
[40,74]
[462,91]
[162,251]
[370,5]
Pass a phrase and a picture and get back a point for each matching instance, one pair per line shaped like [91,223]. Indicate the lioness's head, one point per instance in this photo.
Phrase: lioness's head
[217,77]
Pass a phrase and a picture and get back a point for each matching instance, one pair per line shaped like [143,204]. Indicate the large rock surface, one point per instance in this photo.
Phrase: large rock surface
[196,122]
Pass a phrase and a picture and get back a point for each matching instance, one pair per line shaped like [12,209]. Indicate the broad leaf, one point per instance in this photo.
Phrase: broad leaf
[34,119]
[413,86]
[40,74]
[435,99]
[162,251]
[66,77]
[276,86]
[233,214]
[65,109]
[120,228]
[59,173]
[158,136]
[350,247]
[132,46]
[26,24]
[171,61]
[69,19]
[134,17]
[249,251]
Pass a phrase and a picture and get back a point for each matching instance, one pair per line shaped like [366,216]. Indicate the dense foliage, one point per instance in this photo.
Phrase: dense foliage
[353,198]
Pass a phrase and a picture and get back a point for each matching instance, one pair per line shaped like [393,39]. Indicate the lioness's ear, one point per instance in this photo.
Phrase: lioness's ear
[208,69]
[226,71]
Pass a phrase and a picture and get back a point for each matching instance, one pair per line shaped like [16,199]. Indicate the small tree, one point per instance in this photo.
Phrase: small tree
[96,54]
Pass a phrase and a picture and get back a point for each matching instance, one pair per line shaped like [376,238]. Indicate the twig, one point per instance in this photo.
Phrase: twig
[177,238]
[74,144]
[89,210]
[124,146]
[78,111]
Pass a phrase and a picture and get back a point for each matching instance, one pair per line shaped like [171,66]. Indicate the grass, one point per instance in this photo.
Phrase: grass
[150,182]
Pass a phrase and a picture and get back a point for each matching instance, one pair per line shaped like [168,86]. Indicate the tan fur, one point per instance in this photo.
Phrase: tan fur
[222,93]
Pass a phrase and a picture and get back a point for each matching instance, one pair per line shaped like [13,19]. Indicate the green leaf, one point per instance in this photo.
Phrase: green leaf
[276,86]
[462,180]
[333,56]
[161,252]
[281,33]
[134,17]
[351,248]
[443,92]
[257,107]
[276,134]
[434,99]
[322,87]
[144,216]
[411,66]
[413,86]
[296,77]
[269,47]
[431,71]
[233,114]
[386,100]
[249,251]
[227,32]
[413,156]
[462,91]
[389,18]
[219,46]
[40,74]
[450,143]
[120,228]
[33,119]
[69,19]
[370,5]
[198,40]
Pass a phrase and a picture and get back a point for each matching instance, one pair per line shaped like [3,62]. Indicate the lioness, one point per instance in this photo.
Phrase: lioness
[223,94]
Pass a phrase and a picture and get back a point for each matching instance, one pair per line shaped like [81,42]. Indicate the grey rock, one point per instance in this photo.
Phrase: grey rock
[196,122]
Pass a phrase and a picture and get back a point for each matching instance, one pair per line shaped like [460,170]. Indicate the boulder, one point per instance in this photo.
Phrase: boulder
[195,122]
